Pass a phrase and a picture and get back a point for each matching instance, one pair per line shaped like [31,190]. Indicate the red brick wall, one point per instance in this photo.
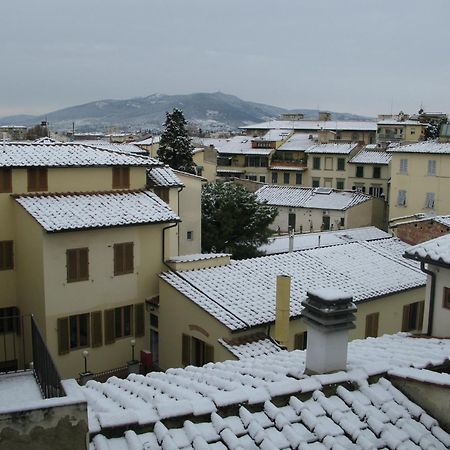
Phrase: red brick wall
[417,232]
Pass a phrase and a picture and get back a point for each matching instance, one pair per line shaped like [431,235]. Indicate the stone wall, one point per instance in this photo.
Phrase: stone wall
[418,232]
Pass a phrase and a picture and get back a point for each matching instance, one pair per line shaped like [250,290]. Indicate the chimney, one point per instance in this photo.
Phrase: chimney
[282,309]
[328,314]
[291,239]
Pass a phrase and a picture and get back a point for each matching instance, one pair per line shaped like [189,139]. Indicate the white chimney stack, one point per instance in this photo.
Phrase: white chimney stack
[328,314]
[283,299]
[291,239]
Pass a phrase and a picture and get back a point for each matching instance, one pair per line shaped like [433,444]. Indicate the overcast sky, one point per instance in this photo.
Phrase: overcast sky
[361,56]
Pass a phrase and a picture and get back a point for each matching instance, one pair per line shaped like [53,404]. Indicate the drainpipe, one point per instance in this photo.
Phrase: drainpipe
[432,295]
[164,241]
[178,194]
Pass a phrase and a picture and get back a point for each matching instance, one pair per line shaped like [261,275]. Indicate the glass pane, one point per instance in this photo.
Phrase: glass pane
[84,327]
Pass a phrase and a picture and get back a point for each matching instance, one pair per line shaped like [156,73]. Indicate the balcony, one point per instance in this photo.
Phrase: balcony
[280,164]
[21,347]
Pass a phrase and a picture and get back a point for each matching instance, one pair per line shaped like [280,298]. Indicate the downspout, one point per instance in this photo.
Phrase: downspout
[432,295]
[164,241]
[178,212]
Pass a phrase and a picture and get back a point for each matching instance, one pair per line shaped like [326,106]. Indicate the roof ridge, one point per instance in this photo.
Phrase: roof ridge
[78,193]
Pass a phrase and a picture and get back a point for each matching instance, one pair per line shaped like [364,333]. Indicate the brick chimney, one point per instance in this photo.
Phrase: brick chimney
[328,314]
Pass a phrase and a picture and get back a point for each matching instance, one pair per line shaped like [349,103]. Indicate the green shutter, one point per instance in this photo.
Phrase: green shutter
[63,335]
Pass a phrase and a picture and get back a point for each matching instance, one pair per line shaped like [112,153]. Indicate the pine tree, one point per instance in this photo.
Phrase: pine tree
[175,148]
[233,221]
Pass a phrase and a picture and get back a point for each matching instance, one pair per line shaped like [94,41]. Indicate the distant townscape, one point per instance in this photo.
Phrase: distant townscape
[201,272]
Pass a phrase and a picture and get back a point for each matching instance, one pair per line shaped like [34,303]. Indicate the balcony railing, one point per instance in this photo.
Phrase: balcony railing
[21,342]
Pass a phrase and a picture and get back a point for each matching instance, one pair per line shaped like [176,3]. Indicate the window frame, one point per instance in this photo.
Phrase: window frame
[403,166]
[121,253]
[341,164]
[359,172]
[78,252]
[401,197]
[121,177]
[340,182]
[328,164]
[298,178]
[6,255]
[376,172]
[274,177]
[446,298]
[430,200]
[316,162]
[120,319]
[37,179]
[372,324]
[432,164]
[286,177]
[413,316]
[189,235]
[10,320]
[76,319]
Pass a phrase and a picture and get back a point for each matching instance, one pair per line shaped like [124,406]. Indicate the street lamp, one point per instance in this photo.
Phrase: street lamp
[133,343]
[85,356]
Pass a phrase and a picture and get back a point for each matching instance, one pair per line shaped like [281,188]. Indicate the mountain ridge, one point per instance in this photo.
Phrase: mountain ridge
[210,111]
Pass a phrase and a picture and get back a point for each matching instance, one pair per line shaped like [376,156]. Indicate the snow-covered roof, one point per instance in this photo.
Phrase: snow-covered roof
[163,177]
[251,346]
[314,125]
[434,251]
[399,123]
[242,294]
[197,257]
[268,402]
[366,156]
[273,136]
[302,197]
[123,147]
[423,147]
[298,142]
[237,145]
[80,211]
[62,154]
[280,244]
[443,220]
[289,168]
[333,149]
[149,141]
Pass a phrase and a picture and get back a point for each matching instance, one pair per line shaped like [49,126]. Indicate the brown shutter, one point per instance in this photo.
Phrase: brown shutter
[109,326]
[96,329]
[421,307]
[125,177]
[372,325]
[129,257]
[43,179]
[186,350]
[83,261]
[118,259]
[71,263]
[5,180]
[63,335]
[299,341]
[31,176]
[116,177]
[209,353]
[405,319]
[139,320]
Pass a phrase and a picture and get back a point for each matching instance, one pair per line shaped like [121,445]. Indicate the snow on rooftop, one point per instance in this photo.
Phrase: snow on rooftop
[303,197]
[333,149]
[366,156]
[236,145]
[280,244]
[400,122]
[252,347]
[432,147]
[273,136]
[298,142]
[314,125]
[18,389]
[124,147]
[437,250]
[163,177]
[149,141]
[64,212]
[242,294]
[197,257]
[59,154]
[268,413]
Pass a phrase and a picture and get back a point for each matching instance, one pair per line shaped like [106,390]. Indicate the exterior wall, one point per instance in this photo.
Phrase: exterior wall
[190,212]
[416,182]
[292,177]
[417,232]
[207,158]
[61,427]
[102,291]
[328,177]
[327,136]
[368,181]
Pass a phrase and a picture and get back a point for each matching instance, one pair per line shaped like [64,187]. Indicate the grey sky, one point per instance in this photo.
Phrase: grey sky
[358,56]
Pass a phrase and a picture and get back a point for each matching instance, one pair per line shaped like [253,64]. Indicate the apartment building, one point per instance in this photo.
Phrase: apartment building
[400,129]
[419,179]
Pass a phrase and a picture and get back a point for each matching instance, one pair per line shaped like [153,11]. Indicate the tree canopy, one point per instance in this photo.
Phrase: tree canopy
[175,147]
[233,221]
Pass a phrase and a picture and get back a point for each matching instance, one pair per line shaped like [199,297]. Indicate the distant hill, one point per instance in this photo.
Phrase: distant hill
[209,111]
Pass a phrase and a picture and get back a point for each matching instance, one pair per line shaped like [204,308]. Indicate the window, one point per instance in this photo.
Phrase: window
[162,193]
[359,188]
[328,163]
[377,172]
[37,179]
[316,162]
[429,200]
[274,177]
[376,191]
[286,177]
[360,171]
[342,222]
[298,178]
[123,258]
[262,178]
[79,331]
[301,341]
[355,137]
[340,184]
[189,235]
[196,351]
[77,263]
[413,316]
[403,166]
[121,178]
[9,320]
[372,324]
[446,302]
[123,321]
[6,255]
[341,164]
[401,199]
[5,180]
[251,177]
[432,167]
[154,320]
[316,182]
[328,182]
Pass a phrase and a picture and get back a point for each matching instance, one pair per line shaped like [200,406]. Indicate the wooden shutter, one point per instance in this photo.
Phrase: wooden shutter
[109,326]
[83,264]
[116,178]
[299,341]
[209,353]
[125,177]
[96,329]
[139,320]
[372,325]
[420,309]
[128,257]
[118,259]
[71,264]
[42,179]
[186,350]
[5,180]
[63,335]
[405,319]
[31,178]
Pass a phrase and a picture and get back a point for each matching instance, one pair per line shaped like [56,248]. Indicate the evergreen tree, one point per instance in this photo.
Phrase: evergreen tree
[233,221]
[175,148]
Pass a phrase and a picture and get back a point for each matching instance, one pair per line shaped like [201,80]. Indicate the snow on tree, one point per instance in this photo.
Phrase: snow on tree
[233,221]
[175,147]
